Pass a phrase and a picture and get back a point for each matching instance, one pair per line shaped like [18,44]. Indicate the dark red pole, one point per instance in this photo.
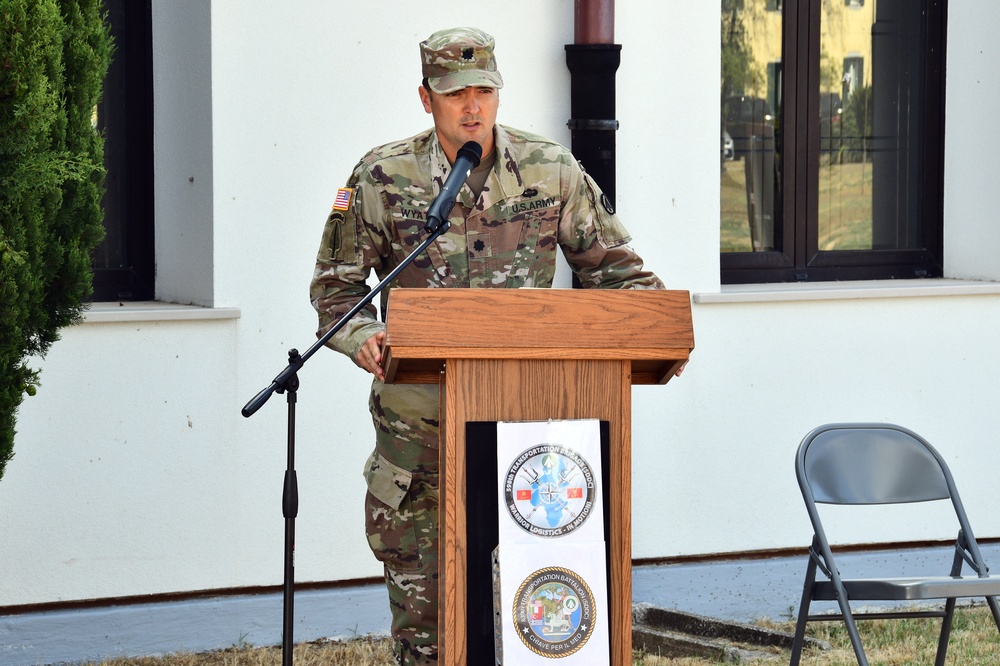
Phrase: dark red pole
[594,22]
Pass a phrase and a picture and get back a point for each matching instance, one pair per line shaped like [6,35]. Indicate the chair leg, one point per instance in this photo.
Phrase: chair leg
[800,624]
[995,608]
[949,613]
[852,628]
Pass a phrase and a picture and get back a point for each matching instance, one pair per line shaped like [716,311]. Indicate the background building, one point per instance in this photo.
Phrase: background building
[135,473]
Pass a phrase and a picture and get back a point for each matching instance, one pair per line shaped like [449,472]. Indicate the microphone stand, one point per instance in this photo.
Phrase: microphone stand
[287,382]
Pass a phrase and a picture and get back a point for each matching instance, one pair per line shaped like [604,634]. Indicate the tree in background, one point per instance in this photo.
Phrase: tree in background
[856,125]
[740,72]
[54,55]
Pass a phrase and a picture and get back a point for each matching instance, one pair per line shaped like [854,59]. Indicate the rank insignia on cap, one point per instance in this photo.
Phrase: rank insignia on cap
[343,199]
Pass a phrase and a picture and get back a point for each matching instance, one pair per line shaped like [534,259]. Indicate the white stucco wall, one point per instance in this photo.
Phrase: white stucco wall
[972,239]
[134,471]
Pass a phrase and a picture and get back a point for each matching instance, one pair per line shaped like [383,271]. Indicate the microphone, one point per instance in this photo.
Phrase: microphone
[466,160]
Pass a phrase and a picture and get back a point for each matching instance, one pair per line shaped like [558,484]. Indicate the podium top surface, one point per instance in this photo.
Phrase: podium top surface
[652,329]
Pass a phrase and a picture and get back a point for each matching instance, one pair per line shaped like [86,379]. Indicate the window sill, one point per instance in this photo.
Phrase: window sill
[829,291]
[124,311]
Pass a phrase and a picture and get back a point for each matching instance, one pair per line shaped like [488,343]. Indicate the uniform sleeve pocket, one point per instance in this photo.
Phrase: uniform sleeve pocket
[610,231]
[388,483]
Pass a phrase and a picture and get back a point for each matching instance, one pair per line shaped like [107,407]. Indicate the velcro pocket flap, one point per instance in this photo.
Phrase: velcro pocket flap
[610,231]
[387,482]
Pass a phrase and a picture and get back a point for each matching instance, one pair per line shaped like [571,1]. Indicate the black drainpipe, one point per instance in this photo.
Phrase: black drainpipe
[593,61]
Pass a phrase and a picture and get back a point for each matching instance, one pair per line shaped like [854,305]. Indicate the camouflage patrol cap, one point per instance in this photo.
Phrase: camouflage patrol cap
[458,58]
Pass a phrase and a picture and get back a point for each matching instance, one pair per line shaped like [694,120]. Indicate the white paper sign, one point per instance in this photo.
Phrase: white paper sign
[554,608]
[550,481]
[553,568]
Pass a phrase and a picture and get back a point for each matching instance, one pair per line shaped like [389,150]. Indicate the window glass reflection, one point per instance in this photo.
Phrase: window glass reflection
[751,108]
[844,220]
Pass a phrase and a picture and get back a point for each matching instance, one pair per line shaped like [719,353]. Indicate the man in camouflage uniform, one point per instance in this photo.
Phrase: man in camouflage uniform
[528,196]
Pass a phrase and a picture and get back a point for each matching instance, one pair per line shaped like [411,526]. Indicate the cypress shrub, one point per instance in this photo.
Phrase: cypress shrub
[54,55]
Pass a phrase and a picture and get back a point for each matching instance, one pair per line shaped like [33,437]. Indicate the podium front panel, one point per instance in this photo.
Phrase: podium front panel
[532,390]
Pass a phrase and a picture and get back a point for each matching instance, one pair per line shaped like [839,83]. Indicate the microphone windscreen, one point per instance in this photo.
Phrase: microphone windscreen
[472,151]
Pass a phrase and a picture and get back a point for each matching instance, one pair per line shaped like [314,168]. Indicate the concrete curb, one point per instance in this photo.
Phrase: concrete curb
[675,633]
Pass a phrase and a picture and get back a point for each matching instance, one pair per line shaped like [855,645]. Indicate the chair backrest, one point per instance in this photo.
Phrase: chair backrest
[870,463]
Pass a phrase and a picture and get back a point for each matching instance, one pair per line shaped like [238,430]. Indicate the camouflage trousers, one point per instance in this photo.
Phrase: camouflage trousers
[401,513]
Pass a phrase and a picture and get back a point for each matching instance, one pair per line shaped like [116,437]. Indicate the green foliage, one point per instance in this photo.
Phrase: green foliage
[739,71]
[856,124]
[53,58]
[851,141]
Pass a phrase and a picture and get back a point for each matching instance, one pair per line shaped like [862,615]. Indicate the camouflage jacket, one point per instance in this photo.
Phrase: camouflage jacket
[537,197]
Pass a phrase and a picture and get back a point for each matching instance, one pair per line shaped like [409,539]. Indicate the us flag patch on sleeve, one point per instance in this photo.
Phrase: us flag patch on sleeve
[343,199]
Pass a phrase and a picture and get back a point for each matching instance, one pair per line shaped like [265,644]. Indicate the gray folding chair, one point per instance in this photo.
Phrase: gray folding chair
[873,463]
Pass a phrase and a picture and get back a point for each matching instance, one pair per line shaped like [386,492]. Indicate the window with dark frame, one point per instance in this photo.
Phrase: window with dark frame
[833,115]
[124,263]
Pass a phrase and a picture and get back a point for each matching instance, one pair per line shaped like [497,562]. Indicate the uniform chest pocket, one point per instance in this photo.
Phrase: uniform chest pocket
[507,252]
[407,227]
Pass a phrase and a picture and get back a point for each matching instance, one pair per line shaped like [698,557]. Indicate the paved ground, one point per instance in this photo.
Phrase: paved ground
[747,590]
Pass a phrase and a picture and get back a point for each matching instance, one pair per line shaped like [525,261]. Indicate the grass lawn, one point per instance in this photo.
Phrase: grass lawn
[844,207]
[974,641]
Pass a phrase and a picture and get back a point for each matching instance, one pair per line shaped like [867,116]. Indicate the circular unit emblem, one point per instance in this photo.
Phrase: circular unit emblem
[549,490]
[554,612]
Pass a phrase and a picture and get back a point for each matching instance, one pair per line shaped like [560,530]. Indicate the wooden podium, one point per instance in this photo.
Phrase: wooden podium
[533,355]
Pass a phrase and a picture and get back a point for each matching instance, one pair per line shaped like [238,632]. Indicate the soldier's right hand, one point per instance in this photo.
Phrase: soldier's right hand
[370,355]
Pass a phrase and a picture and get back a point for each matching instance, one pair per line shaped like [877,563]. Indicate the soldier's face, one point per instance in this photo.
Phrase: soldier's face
[464,115]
